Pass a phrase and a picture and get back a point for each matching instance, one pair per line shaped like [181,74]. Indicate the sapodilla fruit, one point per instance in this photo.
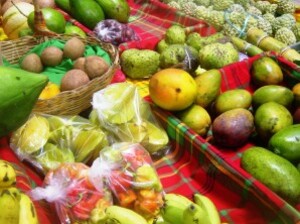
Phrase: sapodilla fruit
[172,89]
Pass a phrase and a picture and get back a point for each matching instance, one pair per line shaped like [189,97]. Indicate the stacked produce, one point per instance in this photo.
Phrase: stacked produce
[235,18]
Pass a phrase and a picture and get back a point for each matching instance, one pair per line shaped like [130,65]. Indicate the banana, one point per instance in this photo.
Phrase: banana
[9,204]
[119,215]
[7,175]
[194,214]
[158,220]
[207,205]
[173,208]
[27,213]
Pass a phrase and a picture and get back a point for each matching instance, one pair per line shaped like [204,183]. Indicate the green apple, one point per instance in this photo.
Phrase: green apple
[55,20]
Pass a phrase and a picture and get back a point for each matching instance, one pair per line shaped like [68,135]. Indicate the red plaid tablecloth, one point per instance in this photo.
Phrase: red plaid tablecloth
[193,164]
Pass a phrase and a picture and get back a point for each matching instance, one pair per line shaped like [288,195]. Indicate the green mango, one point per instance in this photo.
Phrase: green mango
[286,143]
[276,93]
[115,9]
[274,171]
[19,91]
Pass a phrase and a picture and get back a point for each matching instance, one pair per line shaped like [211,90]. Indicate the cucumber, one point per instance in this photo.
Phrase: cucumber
[274,171]
[115,9]
[87,12]
[19,91]
[286,143]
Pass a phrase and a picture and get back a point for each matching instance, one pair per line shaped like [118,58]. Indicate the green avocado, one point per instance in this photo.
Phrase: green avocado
[286,143]
[274,171]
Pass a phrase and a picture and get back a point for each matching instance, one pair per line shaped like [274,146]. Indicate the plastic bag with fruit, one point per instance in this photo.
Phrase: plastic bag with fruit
[121,110]
[128,171]
[46,141]
[76,199]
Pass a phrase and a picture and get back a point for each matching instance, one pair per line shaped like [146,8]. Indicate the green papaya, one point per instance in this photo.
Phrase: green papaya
[19,91]
[87,12]
[286,143]
[64,5]
[115,9]
[274,171]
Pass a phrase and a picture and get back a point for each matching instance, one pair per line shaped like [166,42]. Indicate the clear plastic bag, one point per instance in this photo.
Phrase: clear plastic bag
[120,110]
[76,199]
[46,141]
[128,171]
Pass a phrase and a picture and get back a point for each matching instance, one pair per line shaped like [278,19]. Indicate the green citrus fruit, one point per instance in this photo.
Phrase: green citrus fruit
[55,21]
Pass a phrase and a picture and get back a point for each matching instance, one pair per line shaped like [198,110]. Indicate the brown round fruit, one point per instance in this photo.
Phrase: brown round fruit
[52,56]
[79,63]
[32,63]
[95,66]
[74,79]
[74,48]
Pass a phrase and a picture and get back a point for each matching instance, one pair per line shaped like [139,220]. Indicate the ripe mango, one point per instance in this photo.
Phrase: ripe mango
[277,173]
[208,87]
[233,128]
[265,71]
[172,89]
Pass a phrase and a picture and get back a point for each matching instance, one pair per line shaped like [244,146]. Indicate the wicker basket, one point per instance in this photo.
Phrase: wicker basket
[67,102]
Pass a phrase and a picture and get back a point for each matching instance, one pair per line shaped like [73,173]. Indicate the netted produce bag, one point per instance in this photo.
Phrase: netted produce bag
[75,198]
[121,111]
[46,141]
[128,170]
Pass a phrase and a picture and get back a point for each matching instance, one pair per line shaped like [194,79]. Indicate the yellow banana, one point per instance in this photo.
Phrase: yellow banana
[7,175]
[9,204]
[173,208]
[194,214]
[121,215]
[27,213]
[209,207]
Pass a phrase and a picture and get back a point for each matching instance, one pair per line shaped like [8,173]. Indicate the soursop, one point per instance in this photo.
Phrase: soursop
[139,64]
[217,55]
[175,34]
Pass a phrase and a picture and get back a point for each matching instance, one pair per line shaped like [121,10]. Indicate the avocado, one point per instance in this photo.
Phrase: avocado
[274,171]
[286,143]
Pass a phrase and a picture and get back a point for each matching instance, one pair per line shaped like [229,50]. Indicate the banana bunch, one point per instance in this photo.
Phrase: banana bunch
[178,209]
[16,207]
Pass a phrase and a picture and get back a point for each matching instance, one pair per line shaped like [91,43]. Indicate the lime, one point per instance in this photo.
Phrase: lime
[55,21]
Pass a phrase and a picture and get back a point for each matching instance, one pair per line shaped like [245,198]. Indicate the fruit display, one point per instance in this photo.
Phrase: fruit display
[19,91]
[48,141]
[17,207]
[121,111]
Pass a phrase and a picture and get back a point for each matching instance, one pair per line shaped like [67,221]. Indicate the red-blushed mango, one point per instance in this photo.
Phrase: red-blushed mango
[172,89]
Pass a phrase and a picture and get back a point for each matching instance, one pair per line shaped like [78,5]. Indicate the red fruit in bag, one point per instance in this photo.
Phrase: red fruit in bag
[120,181]
[137,157]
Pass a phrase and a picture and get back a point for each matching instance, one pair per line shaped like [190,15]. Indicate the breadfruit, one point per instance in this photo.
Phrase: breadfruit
[139,64]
